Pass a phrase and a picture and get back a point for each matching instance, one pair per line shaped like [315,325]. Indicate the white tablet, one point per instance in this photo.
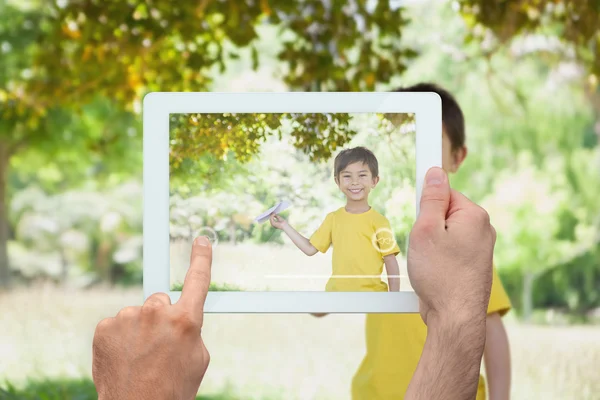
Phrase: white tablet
[308,198]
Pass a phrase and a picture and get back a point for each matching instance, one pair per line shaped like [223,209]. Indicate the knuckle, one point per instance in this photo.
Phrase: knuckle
[103,326]
[494,234]
[150,311]
[202,355]
[157,300]
[486,217]
[481,216]
[102,334]
[184,324]
[127,313]
[206,356]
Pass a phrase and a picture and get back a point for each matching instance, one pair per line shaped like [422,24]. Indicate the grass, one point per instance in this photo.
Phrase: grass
[69,389]
[74,389]
[214,287]
[47,332]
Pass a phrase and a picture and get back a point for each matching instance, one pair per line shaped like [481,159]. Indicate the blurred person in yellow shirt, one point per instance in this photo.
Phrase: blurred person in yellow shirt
[394,342]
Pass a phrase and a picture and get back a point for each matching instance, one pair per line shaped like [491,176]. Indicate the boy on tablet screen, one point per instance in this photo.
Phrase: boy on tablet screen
[361,237]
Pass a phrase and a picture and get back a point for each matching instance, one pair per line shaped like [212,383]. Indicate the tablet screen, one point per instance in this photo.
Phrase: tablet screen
[294,202]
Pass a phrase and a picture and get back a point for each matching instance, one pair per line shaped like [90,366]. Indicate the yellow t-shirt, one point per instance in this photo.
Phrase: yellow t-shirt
[359,241]
[394,345]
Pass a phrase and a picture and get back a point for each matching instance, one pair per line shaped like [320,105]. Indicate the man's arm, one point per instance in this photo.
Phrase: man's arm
[452,354]
[393,270]
[497,358]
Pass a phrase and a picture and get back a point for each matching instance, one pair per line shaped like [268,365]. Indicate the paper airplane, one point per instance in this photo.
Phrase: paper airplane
[276,209]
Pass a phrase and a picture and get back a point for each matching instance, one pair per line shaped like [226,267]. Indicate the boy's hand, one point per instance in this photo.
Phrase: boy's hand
[277,221]
[155,351]
[450,253]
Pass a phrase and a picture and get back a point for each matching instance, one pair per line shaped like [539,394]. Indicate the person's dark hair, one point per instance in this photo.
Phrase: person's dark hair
[452,115]
[356,154]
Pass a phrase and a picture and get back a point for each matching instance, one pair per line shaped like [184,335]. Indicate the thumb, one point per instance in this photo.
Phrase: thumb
[435,198]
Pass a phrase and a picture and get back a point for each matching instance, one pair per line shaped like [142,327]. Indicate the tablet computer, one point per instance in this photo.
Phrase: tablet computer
[307,198]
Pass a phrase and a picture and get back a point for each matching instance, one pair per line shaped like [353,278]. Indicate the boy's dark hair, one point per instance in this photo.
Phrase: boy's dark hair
[452,115]
[356,154]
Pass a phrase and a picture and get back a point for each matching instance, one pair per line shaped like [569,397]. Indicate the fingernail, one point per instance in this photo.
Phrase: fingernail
[435,176]
[201,241]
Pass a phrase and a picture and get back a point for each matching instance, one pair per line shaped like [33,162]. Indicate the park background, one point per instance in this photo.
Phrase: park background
[72,79]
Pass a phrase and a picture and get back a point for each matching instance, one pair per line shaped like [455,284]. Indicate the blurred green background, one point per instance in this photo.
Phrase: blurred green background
[72,77]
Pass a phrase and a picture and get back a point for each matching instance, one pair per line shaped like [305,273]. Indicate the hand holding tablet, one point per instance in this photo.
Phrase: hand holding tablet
[146,352]
[454,233]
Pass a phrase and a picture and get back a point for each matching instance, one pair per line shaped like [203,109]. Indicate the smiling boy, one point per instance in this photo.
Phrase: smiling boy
[361,237]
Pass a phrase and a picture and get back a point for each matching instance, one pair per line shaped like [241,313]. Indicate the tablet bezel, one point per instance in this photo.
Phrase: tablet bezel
[158,106]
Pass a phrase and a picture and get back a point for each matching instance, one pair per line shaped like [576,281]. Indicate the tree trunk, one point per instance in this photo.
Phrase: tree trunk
[103,261]
[4,265]
[232,231]
[64,276]
[528,279]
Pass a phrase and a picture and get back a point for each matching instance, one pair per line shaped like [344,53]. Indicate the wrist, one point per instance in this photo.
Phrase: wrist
[452,353]
[451,317]
[141,395]
[136,391]
[448,319]
[466,330]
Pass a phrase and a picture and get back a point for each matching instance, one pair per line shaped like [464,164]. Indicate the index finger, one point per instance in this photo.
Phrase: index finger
[197,279]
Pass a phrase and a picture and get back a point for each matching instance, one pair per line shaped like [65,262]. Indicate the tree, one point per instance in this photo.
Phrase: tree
[59,57]
[558,31]
[194,136]
[552,125]
[575,22]
[525,208]
[516,105]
